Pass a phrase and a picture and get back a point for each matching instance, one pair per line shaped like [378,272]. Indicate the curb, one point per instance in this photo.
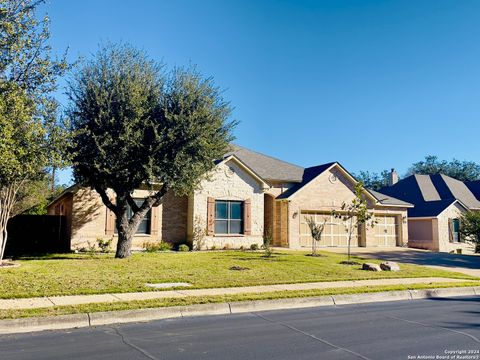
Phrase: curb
[83,320]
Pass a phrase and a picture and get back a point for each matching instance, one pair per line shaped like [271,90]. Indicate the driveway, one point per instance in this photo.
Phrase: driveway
[466,264]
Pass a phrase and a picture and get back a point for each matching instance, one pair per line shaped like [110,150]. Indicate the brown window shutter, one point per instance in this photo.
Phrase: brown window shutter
[154,221]
[247,217]
[210,216]
[110,223]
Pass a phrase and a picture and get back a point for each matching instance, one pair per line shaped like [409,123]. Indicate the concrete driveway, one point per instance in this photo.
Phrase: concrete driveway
[466,264]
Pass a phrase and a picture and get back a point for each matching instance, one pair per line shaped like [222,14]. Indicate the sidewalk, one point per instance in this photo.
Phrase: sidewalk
[45,302]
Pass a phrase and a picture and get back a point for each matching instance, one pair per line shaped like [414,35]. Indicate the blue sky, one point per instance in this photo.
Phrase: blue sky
[371,84]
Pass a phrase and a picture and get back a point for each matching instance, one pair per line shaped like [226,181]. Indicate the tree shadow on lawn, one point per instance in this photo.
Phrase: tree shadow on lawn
[62,257]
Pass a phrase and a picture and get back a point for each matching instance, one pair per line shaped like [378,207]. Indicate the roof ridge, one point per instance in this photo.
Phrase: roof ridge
[269,156]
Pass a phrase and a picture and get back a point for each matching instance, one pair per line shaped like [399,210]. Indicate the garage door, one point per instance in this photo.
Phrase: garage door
[334,234]
[386,231]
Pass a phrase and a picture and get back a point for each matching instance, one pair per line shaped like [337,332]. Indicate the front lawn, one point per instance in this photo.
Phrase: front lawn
[74,274]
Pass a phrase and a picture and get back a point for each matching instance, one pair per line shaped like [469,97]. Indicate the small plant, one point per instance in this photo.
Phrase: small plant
[104,244]
[241,248]
[254,247]
[355,214]
[213,247]
[267,241]
[164,246]
[227,247]
[316,230]
[151,246]
[183,247]
[90,249]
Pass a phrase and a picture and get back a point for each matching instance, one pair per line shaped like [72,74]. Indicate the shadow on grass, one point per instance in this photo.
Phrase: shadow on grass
[64,257]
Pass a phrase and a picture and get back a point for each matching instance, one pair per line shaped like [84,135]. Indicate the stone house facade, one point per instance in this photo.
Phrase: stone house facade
[246,195]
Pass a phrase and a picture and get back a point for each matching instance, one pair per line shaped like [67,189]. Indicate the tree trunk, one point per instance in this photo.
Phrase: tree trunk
[3,240]
[124,244]
[126,227]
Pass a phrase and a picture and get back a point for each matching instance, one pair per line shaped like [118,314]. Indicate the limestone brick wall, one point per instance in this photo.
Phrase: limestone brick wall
[454,211]
[229,181]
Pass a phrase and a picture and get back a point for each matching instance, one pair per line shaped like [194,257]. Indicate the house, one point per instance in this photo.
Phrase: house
[434,221]
[246,194]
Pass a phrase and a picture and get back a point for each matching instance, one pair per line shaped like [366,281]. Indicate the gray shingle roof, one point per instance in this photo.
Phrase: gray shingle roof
[429,193]
[388,200]
[267,167]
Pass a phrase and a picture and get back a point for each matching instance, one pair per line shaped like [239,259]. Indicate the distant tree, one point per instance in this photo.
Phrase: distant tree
[470,228]
[135,126]
[28,113]
[355,214]
[460,170]
[372,180]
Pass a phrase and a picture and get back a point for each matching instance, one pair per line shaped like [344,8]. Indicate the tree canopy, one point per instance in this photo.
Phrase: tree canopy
[373,180]
[460,170]
[135,124]
[28,112]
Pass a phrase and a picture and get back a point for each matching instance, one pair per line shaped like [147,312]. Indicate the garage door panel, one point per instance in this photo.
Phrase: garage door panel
[386,231]
[335,232]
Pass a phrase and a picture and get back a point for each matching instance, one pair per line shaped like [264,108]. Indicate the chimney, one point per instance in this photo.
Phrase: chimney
[392,178]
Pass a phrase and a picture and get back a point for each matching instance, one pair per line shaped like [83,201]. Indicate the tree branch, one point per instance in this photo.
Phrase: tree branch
[133,205]
[106,200]
[159,195]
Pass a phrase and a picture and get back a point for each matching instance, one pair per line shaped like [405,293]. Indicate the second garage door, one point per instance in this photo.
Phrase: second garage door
[386,231]
[334,234]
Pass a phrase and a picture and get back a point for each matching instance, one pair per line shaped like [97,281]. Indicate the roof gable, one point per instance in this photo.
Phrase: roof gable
[246,168]
[308,175]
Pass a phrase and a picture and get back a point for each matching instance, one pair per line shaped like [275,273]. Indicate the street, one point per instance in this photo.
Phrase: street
[447,328]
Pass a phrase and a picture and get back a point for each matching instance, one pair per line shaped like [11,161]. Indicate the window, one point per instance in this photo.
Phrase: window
[144,227]
[228,217]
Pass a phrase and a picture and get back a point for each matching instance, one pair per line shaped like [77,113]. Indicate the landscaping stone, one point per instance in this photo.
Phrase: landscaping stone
[371,267]
[389,266]
[238,268]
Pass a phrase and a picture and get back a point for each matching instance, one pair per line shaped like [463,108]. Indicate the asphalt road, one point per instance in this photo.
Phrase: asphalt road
[384,331]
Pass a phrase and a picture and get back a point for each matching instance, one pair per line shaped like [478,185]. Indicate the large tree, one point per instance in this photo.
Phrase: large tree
[28,126]
[135,126]
[373,180]
[470,228]
[460,170]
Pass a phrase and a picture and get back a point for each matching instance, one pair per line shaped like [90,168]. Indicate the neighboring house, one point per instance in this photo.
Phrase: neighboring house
[439,200]
[246,194]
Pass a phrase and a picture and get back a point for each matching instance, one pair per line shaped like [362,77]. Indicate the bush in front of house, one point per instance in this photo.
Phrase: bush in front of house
[183,247]
[151,246]
[254,247]
[104,244]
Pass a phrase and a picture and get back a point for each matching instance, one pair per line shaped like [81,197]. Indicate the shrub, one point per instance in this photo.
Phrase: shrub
[183,247]
[104,244]
[254,247]
[267,241]
[226,247]
[213,247]
[151,246]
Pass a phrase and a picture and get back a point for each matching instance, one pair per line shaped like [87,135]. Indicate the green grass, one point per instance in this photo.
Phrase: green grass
[158,303]
[74,274]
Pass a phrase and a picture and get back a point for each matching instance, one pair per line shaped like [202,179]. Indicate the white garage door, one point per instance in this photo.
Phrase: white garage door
[335,232]
[386,231]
